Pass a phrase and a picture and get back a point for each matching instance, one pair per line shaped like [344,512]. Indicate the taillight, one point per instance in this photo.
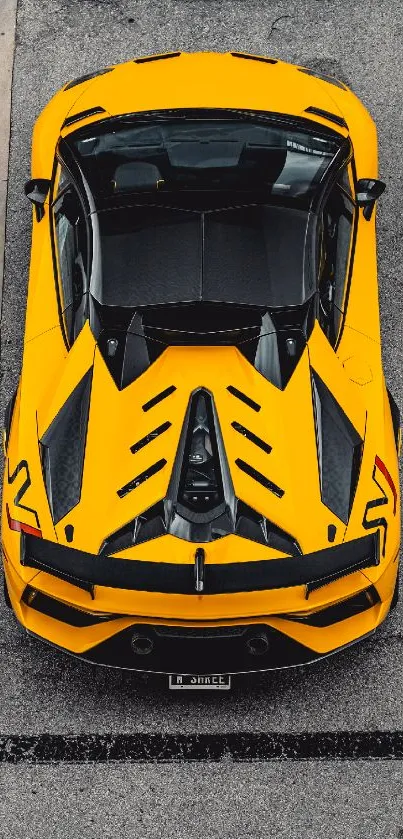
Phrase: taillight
[380,464]
[21,527]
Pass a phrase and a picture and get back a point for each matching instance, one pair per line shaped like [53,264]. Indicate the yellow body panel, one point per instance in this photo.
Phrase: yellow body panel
[117,420]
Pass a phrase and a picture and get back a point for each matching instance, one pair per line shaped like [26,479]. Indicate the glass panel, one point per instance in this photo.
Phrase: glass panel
[252,255]
[66,247]
[338,219]
[71,251]
[211,209]
[206,154]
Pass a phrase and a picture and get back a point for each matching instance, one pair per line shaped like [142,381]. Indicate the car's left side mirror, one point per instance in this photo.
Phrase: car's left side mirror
[368,191]
[36,191]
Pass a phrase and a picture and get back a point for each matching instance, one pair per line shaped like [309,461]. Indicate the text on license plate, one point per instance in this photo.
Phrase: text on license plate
[205,682]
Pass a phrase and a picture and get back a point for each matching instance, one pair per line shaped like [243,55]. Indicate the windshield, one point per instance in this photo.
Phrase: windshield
[210,210]
[214,154]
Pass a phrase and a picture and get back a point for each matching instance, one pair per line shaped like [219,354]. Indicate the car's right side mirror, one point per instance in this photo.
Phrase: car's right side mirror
[368,191]
[36,191]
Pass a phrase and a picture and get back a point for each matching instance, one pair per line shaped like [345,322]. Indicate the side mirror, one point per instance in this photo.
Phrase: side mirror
[36,191]
[137,177]
[368,191]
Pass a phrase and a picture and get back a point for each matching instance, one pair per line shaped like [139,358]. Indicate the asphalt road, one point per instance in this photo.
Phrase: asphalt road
[42,691]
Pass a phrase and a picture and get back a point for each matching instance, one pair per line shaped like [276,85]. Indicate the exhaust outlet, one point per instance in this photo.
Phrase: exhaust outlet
[142,644]
[257,644]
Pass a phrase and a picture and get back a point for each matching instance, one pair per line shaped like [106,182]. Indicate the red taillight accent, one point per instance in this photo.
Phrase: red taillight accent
[380,464]
[20,527]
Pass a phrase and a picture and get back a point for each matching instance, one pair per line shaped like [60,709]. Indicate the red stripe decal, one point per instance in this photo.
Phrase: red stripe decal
[380,464]
[20,527]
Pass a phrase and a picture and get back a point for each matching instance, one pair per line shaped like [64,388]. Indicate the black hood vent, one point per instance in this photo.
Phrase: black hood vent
[201,504]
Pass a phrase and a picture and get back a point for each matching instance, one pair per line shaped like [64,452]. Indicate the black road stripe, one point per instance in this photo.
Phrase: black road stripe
[240,747]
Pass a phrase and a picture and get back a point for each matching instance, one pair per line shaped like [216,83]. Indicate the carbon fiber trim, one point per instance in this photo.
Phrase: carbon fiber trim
[327,115]
[88,570]
[90,112]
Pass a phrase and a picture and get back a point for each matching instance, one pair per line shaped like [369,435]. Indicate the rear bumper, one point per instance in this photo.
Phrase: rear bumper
[189,654]
[203,646]
[209,633]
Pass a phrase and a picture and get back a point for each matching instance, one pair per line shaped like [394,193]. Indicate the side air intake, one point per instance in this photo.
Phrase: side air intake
[62,451]
[339,451]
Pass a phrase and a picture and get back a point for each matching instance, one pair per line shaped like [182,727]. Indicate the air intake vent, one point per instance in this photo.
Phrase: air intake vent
[243,398]
[149,525]
[61,611]
[261,479]
[254,57]
[62,449]
[145,59]
[144,476]
[339,451]
[327,115]
[252,437]
[158,398]
[340,611]
[252,525]
[149,437]
[90,112]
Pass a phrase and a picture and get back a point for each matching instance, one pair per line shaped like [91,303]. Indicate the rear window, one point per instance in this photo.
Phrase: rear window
[257,255]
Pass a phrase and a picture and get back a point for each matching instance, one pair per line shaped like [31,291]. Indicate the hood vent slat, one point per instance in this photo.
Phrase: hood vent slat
[252,437]
[261,479]
[158,398]
[149,437]
[243,398]
[144,476]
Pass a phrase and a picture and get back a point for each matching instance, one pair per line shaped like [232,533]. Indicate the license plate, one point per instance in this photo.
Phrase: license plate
[205,682]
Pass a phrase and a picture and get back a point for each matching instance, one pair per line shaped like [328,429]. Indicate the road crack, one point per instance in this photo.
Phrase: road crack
[275,28]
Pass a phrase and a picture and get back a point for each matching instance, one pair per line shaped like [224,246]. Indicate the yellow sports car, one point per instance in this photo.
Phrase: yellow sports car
[201,469]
